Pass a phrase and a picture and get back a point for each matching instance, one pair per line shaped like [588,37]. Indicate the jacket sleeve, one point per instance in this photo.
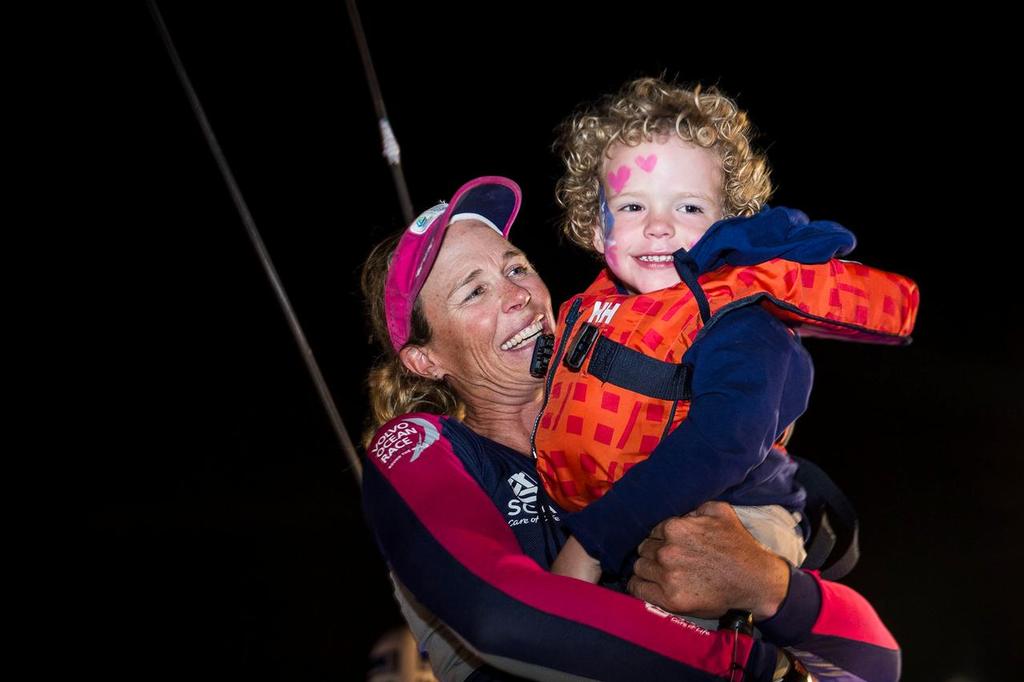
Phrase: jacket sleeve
[451,548]
[450,659]
[751,379]
[834,631]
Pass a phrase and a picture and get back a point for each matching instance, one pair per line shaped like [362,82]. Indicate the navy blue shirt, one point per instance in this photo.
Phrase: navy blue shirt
[452,512]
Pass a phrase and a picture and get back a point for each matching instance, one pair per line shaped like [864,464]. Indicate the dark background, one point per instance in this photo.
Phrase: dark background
[224,531]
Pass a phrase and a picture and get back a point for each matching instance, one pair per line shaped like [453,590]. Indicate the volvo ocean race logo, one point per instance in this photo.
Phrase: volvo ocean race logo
[408,437]
[523,508]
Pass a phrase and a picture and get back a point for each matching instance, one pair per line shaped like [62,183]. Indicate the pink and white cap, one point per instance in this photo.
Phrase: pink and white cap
[493,200]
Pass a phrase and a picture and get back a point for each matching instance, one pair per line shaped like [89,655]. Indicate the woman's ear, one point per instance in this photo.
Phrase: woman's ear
[418,360]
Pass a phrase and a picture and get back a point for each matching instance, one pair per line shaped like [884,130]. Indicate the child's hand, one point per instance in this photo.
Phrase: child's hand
[573,561]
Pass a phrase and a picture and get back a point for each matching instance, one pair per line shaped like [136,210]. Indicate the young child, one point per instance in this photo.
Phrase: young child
[679,363]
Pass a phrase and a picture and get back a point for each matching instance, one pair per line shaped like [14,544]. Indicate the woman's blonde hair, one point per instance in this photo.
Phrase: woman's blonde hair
[394,390]
[642,110]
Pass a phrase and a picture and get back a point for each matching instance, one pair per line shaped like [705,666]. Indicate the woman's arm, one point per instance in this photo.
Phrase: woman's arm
[830,627]
[451,547]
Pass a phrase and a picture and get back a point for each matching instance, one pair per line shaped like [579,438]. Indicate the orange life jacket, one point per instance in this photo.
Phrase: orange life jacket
[597,422]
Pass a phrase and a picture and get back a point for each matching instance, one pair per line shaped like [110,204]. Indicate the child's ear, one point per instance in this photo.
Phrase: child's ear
[604,216]
[599,238]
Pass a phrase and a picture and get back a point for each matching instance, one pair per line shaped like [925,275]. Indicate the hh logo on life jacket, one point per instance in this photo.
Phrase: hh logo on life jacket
[603,313]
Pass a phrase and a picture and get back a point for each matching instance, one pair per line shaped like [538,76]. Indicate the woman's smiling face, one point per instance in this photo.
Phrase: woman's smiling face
[486,306]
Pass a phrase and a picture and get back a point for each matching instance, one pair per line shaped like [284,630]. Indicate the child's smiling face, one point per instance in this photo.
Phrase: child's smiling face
[661,196]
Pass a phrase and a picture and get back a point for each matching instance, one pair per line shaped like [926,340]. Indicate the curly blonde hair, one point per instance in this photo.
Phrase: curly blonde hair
[642,110]
[394,390]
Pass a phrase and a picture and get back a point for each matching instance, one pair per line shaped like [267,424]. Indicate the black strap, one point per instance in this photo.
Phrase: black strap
[687,269]
[618,365]
[834,544]
[822,542]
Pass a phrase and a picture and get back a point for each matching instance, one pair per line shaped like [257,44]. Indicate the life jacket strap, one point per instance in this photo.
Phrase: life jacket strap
[687,269]
[834,545]
[616,364]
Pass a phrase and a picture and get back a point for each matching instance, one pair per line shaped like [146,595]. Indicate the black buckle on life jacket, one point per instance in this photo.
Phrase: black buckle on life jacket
[542,351]
[581,344]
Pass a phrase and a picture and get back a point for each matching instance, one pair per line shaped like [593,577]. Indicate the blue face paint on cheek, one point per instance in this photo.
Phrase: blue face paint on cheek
[607,219]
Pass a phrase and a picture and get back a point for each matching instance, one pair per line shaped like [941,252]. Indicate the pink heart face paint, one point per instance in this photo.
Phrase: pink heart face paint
[649,215]
[647,163]
[619,178]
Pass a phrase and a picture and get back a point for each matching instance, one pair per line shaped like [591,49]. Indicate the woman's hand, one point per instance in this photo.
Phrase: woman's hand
[706,563]
[573,561]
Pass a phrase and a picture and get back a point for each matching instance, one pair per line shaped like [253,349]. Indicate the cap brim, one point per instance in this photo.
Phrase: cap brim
[491,199]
